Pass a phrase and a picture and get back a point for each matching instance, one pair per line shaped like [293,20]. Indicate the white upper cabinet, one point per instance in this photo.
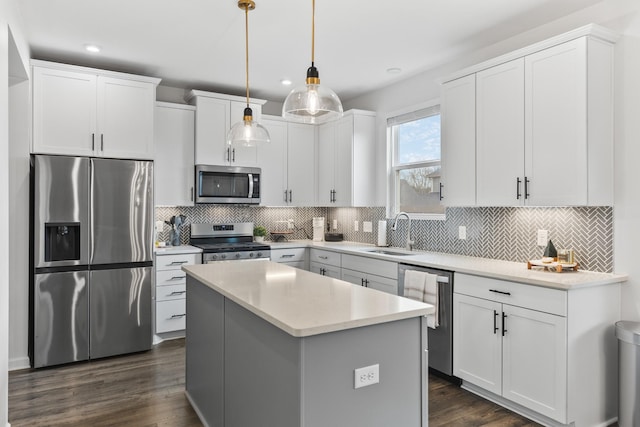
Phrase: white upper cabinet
[542,122]
[500,135]
[458,129]
[215,114]
[288,164]
[87,112]
[174,145]
[346,160]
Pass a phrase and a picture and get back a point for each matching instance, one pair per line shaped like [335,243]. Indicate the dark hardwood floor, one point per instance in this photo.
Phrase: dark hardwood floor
[147,390]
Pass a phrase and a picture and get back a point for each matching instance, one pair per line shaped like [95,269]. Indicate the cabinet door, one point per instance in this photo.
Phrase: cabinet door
[325,269]
[326,163]
[125,118]
[273,162]
[64,112]
[343,155]
[212,126]
[535,361]
[556,125]
[477,342]
[174,145]
[458,114]
[244,156]
[301,164]
[362,171]
[383,284]
[500,135]
[352,276]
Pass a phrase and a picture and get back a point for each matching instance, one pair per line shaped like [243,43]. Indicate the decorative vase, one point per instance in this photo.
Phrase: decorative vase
[258,239]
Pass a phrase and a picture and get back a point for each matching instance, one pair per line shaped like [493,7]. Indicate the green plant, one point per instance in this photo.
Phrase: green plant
[259,230]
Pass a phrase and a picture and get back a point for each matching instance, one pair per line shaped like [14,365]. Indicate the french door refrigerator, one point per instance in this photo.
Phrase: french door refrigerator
[91,245]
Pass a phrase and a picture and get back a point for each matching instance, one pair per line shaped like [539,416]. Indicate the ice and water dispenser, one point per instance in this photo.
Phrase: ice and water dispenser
[61,241]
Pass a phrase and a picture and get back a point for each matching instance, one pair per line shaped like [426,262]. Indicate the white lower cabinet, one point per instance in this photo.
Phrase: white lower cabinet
[293,257]
[371,273]
[325,263]
[171,291]
[526,346]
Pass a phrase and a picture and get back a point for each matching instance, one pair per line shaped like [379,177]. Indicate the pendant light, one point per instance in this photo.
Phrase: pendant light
[247,132]
[312,103]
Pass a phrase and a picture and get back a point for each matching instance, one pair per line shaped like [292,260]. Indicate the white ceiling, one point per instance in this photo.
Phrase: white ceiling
[199,44]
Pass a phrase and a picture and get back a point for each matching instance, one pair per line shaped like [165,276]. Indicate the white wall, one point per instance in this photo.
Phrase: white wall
[620,15]
[14,56]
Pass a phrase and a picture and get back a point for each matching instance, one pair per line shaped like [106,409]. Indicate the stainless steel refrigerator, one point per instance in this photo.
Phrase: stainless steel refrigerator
[92,257]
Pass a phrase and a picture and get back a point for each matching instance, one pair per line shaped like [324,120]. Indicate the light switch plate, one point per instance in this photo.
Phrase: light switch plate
[367,226]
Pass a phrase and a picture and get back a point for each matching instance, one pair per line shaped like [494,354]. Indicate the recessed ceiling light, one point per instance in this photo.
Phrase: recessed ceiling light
[285,82]
[92,48]
[394,70]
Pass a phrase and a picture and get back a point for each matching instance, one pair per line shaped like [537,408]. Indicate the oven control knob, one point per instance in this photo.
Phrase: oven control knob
[259,255]
[251,255]
[238,255]
[214,256]
[223,256]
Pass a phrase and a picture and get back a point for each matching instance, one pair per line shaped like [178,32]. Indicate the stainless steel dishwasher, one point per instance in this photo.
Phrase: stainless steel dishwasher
[441,338]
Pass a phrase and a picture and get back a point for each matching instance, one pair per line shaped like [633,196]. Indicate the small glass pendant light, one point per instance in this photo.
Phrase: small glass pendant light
[247,132]
[312,103]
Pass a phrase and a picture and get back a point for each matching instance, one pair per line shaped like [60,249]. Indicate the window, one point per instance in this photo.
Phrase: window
[414,139]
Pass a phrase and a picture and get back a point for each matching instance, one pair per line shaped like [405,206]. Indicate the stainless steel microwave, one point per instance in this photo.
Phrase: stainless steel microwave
[227,184]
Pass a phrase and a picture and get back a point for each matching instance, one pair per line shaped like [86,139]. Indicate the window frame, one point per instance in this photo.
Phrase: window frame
[393,169]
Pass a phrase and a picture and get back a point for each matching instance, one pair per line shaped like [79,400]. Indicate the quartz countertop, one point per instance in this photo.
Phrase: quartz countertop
[177,250]
[497,269]
[302,303]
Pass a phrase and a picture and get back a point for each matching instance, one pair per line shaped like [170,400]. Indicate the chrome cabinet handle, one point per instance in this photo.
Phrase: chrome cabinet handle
[93,142]
[174,293]
[178,262]
[101,142]
[287,256]
[178,277]
[178,316]
[323,257]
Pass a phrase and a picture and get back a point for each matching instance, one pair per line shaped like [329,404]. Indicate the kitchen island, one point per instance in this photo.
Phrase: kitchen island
[272,345]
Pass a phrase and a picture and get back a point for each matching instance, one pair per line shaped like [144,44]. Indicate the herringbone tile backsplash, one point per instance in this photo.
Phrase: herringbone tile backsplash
[499,233]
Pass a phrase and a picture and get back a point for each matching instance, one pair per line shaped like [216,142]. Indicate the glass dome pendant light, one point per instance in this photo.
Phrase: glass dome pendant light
[247,132]
[312,103]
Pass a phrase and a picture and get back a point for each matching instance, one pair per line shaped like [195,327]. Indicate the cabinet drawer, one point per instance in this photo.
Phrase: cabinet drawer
[170,315]
[302,265]
[528,296]
[325,257]
[168,262]
[171,292]
[288,255]
[371,265]
[170,277]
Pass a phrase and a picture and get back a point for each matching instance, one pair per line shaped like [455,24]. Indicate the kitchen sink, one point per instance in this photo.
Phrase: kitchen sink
[389,252]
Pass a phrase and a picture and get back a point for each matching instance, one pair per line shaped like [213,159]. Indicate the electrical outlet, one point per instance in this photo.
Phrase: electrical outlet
[159,226]
[367,226]
[290,224]
[367,375]
[543,237]
[355,225]
[462,232]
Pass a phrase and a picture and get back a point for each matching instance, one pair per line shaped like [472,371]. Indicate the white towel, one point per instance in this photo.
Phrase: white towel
[423,287]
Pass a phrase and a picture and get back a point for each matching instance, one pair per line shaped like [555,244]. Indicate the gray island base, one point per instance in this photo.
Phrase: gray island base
[269,345]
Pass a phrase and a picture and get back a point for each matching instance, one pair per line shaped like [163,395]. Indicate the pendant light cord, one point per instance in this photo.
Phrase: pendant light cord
[313,32]
[246,49]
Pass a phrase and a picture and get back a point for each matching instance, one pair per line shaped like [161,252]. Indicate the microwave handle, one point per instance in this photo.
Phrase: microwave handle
[250,185]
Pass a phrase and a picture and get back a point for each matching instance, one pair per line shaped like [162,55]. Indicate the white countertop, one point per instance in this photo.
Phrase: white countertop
[497,269]
[177,250]
[303,303]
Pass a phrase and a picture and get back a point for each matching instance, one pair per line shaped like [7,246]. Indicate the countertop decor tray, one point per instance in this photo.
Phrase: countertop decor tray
[558,267]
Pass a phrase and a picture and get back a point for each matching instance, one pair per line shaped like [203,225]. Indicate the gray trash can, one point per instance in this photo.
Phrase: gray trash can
[628,334]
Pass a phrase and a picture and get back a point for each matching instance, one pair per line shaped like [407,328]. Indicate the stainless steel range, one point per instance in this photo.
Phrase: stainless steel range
[224,242]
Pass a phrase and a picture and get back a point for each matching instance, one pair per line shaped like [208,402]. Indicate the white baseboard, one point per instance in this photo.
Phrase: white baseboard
[19,363]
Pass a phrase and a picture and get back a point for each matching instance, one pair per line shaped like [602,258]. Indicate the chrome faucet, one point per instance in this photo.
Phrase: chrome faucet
[410,242]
